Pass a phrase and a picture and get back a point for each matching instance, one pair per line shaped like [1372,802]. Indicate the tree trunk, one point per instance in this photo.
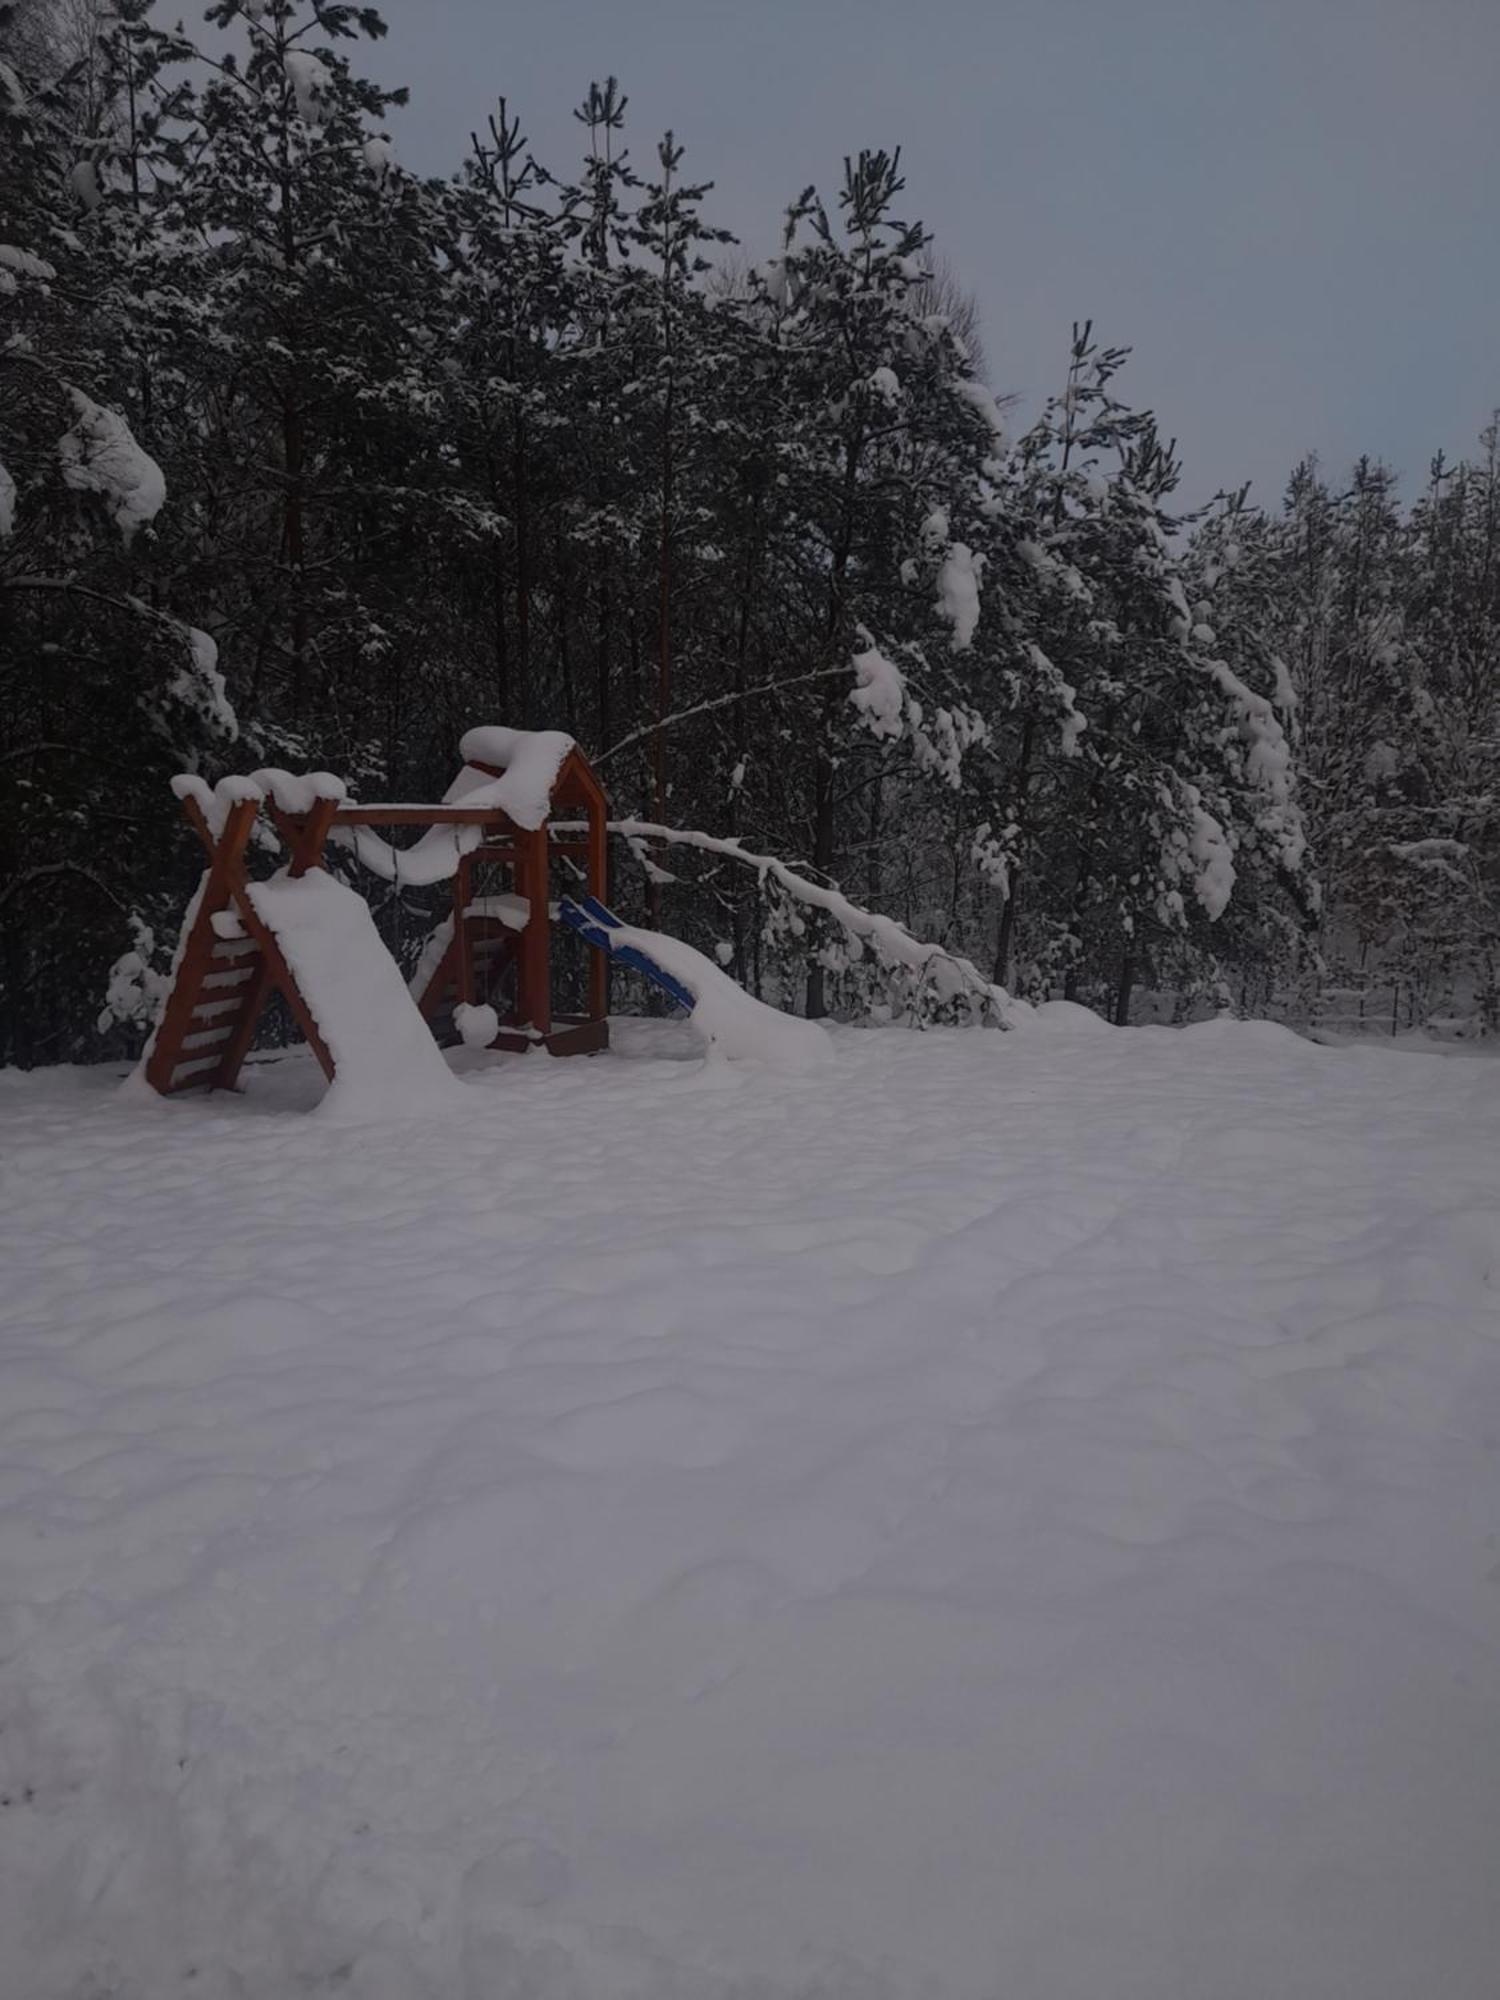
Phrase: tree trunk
[1004,943]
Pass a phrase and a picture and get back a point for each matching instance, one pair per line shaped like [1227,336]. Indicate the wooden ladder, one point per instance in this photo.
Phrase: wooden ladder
[480,957]
[230,963]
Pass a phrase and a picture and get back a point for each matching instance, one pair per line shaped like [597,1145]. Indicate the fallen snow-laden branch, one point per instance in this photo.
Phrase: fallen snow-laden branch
[717,702]
[950,976]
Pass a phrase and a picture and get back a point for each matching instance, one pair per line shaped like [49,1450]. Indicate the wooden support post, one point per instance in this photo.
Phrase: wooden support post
[598,876]
[535,995]
[463,957]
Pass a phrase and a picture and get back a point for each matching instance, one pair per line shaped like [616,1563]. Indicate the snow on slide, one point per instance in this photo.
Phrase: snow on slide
[388,1065]
[732,1022]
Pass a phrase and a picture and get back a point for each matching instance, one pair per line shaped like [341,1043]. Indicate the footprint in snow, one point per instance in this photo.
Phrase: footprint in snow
[654,1427]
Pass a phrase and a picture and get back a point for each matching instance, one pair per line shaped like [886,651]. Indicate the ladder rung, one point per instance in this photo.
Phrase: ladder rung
[236,977]
[206,1037]
[234,947]
[208,1010]
[182,1071]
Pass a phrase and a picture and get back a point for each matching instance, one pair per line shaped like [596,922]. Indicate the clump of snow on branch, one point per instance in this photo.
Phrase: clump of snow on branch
[940,743]
[1213,859]
[311,85]
[16,262]
[200,685]
[100,455]
[83,178]
[991,855]
[1285,697]
[1267,759]
[1199,852]
[379,156]
[134,990]
[982,399]
[879,693]
[958,593]
[1071,723]
[1434,857]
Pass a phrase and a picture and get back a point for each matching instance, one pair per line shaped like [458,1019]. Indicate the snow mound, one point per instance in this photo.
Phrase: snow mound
[1067,1017]
[529,761]
[733,1022]
[1268,1035]
[477,1025]
[388,1065]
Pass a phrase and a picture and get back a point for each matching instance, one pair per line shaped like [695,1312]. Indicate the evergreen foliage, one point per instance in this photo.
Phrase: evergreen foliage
[304,458]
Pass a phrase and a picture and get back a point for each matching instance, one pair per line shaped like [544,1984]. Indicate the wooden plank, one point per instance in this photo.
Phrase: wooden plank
[438,815]
[209,1037]
[184,1073]
[312,837]
[577,1038]
[433,993]
[534,986]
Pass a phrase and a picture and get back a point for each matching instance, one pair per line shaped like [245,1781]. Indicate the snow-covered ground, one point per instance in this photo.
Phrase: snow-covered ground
[992,1517]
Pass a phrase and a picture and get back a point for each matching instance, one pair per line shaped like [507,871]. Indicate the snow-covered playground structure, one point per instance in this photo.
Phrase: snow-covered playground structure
[486,972]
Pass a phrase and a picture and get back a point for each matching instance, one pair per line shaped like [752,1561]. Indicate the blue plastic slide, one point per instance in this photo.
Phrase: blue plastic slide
[596,926]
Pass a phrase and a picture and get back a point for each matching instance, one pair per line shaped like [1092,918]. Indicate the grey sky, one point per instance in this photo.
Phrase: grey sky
[1287,208]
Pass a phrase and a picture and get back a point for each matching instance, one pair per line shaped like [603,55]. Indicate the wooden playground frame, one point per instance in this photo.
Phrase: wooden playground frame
[231,963]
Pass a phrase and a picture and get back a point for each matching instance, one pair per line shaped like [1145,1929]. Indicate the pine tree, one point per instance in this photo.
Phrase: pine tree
[109,687]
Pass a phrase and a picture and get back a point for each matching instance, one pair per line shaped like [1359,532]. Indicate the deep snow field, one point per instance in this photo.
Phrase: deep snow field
[993,1517]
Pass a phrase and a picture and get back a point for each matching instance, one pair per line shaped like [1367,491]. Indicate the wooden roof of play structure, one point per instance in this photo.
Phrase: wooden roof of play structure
[311,940]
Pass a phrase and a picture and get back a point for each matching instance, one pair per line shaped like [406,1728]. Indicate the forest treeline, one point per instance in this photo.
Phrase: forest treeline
[307,460]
